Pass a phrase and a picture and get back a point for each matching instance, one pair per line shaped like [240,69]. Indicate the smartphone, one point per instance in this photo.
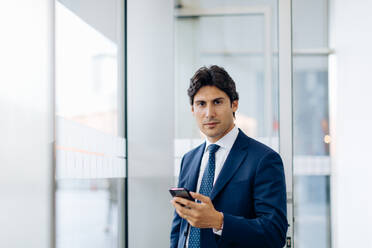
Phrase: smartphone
[181,192]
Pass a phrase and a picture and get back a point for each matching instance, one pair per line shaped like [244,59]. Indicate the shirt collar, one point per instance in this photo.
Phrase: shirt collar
[226,141]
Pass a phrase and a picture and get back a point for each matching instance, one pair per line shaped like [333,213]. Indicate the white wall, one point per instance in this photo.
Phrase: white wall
[150,87]
[26,124]
[351,122]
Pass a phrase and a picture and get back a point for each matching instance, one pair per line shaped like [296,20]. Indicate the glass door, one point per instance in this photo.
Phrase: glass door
[248,39]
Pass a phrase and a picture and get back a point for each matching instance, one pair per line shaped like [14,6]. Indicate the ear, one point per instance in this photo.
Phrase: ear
[235,105]
[192,109]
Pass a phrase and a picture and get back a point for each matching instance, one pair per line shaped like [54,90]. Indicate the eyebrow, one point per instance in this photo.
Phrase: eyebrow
[218,98]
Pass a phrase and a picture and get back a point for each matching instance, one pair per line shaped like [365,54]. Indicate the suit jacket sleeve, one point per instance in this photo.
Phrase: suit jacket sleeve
[176,224]
[269,227]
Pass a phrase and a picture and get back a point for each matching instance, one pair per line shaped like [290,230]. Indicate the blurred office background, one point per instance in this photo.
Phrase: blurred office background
[95,117]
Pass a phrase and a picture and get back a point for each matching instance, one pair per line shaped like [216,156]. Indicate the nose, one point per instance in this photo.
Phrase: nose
[210,111]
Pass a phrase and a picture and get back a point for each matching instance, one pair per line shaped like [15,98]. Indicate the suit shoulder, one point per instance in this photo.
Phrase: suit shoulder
[258,147]
[187,159]
[192,152]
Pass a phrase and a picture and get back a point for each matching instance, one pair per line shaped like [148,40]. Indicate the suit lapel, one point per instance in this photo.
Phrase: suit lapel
[232,164]
[195,168]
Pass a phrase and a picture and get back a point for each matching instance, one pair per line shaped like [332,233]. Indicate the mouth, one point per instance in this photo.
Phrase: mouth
[211,124]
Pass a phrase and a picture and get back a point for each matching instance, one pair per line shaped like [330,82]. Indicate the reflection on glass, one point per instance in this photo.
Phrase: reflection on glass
[310,105]
[86,66]
[311,152]
[311,163]
[88,212]
[312,211]
[90,145]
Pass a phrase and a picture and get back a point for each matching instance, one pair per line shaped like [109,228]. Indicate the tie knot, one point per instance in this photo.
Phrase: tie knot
[213,148]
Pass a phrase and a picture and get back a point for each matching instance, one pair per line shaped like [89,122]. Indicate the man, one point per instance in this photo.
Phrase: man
[242,195]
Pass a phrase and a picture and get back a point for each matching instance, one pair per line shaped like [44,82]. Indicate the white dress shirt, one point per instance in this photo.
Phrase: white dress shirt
[225,143]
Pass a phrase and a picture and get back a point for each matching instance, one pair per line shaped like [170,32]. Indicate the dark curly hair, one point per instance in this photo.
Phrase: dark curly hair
[212,76]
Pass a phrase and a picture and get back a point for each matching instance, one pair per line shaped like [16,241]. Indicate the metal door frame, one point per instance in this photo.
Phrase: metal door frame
[285,105]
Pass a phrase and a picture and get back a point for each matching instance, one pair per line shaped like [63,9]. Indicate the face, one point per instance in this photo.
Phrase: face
[213,112]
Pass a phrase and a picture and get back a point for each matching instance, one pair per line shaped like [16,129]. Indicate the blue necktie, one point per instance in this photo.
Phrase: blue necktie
[205,189]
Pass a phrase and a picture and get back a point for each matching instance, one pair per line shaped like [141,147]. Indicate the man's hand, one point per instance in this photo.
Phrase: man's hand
[200,215]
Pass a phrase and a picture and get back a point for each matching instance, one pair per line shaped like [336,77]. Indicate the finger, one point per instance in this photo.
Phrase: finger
[174,203]
[185,202]
[183,212]
[177,205]
[200,197]
[178,209]
[183,216]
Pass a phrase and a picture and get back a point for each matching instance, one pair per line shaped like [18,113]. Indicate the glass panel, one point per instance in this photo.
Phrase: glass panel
[88,212]
[311,151]
[244,45]
[312,211]
[87,67]
[310,105]
[90,142]
[310,25]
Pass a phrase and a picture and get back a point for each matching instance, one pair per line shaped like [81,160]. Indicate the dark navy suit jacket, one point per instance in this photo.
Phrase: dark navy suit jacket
[250,192]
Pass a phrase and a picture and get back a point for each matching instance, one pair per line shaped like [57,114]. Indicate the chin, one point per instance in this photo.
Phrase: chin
[212,134]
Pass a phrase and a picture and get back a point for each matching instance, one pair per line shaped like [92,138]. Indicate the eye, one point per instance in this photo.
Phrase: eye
[201,104]
[218,101]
